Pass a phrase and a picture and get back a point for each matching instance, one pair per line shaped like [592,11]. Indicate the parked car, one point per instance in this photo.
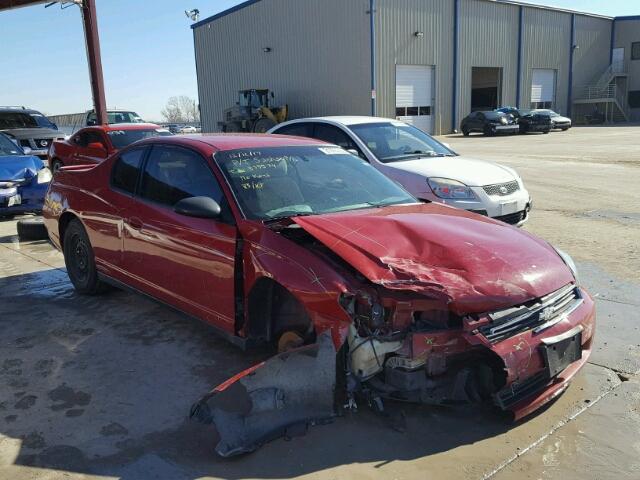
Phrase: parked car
[557,121]
[24,179]
[94,144]
[428,169]
[29,129]
[188,129]
[173,127]
[290,241]
[527,120]
[114,117]
[489,123]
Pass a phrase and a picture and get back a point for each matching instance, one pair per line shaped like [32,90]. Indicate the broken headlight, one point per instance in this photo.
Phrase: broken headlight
[364,310]
[566,258]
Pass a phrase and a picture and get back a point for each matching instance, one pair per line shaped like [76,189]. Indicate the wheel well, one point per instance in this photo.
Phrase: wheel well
[63,223]
[273,310]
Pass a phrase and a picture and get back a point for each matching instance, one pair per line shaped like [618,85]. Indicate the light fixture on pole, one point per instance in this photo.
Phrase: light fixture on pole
[194,14]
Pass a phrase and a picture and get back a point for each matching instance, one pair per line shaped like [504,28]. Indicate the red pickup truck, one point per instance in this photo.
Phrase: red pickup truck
[94,144]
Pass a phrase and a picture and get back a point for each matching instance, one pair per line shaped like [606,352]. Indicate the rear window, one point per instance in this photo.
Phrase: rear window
[126,170]
[124,138]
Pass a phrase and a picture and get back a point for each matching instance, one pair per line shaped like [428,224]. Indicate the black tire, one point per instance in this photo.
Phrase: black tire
[546,131]
[80,261]
[465,131]
[56,164]
[263,125]
[32,229]
[488,131]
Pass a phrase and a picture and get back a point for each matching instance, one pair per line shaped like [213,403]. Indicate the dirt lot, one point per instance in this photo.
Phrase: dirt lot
[101,387]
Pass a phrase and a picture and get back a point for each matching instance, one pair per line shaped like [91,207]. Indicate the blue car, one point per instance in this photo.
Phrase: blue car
[24,180]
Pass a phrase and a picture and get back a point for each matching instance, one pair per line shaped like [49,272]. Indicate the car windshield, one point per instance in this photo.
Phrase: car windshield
[7,147]
[122,138]
[277,182]
[551,113]
[17,120]
[493,115]
[43,121]
[393,142]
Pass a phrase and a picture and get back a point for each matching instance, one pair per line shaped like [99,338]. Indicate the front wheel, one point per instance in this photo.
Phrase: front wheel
[263,125]
[465,131]
[80,261]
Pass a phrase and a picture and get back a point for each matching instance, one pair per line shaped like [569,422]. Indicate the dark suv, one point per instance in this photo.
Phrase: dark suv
[29,129]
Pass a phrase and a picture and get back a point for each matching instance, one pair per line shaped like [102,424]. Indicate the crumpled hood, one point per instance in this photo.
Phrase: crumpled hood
[473,263]
[471,172]
[25,133]
[14,167]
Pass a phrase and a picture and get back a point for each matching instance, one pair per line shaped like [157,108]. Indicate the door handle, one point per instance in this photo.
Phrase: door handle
[135,223]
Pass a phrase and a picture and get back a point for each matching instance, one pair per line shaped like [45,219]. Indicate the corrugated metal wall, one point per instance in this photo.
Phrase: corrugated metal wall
[546,44]
[488,38]
[320,59]
[591,58]
[627,32]
[396,24]
[319,63]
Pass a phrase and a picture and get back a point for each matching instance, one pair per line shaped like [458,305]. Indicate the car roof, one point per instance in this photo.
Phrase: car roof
[233,141]
[345,120]
[122,126]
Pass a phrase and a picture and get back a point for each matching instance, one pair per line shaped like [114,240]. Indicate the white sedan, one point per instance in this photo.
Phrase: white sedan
[428,169]
[188,129]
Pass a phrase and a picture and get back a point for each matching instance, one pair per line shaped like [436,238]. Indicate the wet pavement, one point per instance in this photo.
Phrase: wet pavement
[100,387]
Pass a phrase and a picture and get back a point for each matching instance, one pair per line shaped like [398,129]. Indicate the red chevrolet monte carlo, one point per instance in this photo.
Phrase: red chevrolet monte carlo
[94,144]
[369,294]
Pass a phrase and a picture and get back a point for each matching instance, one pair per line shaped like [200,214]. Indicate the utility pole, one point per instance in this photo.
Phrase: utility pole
[90,22]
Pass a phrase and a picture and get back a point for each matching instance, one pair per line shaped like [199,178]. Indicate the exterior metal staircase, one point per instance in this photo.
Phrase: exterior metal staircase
[605,97]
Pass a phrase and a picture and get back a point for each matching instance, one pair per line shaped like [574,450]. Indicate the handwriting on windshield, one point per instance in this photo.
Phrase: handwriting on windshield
[252,170]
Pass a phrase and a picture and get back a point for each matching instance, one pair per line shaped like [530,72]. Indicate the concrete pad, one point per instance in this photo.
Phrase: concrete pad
[602,443]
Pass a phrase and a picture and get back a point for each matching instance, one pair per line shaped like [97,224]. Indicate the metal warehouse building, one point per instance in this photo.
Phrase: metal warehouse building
[428,62]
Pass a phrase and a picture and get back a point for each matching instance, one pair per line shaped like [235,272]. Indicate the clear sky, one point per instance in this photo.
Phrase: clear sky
[147,52]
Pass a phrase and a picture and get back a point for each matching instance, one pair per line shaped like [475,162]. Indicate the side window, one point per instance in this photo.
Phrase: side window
[331,134]
[80,139]
[297,129]
[94,137]
[126,170]
[172,174]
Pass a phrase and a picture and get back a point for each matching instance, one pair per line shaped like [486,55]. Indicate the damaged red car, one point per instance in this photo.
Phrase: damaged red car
[369,294]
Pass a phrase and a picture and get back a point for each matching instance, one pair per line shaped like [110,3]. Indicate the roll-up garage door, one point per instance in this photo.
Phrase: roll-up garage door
[543,85]
[414,95]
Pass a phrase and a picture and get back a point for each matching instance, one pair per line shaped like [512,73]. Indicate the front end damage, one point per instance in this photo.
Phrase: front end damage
[419,332]
[408,350]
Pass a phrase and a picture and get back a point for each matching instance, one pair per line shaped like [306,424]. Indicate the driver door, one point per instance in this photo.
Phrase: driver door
[186,262]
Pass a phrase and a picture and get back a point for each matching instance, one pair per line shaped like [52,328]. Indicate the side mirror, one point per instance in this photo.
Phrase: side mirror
[27,150]
[198,207]
[55,127]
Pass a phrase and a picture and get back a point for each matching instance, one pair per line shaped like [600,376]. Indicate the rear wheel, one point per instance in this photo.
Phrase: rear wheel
[80,261]
[263,125]
[465,131]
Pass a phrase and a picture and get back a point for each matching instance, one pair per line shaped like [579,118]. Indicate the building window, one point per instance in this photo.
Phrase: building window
[547,105]
[635,51]
[634,99]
